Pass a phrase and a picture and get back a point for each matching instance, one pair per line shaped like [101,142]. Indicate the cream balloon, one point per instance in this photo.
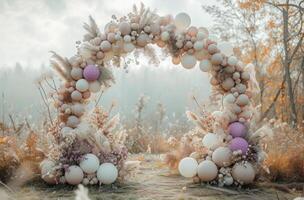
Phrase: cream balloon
[182,21]
[73,175]
[47,171]
[76,73]
[188,61]
[222,156]
[243,173]
[128,47]
[205,65]
[187,167]
[82,85]
[107,173]
[207,170]
[165,36]
[225,48]
[90,163]
[76,95]
[211,141]
[72,121]
[94,86]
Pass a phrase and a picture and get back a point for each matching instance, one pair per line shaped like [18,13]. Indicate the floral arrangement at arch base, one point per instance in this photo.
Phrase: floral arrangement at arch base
[86,153]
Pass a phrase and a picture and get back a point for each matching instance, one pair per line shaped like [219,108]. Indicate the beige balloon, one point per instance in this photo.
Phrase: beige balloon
[222,156]
[207,170]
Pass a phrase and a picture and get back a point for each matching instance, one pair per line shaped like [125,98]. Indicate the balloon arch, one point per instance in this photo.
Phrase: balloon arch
[232,157]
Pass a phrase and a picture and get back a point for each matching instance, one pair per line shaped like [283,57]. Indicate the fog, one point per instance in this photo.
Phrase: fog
[172,86]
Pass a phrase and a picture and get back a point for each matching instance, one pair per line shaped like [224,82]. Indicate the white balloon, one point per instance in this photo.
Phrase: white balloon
[127,38]
[217,59]
[222,156]
[105,46]
[202,33]
[90,163]
[76,95]
[128,47]
[82,85]
[182,20]
[228,83]
[47,171]
[229,99]
[205,65]
[198,45]
[188,61]
[165,36]
[232,60]
[94,86]
[207,170]
[142,40]
[66,131]
[211,141]
[107,173]
[187,167]
[76,73]
[243,173]
[226,48]
[124,28]
[73,121]
[228,180]
[73,175]
[242,100]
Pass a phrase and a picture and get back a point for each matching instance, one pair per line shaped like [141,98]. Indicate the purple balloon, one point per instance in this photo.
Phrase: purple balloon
[239,143]
[91,73]
[237,129]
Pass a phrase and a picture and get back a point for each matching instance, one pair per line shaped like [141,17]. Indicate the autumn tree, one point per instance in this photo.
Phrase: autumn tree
[270,35]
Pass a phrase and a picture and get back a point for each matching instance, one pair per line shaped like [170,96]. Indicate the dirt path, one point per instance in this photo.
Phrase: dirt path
[151,182]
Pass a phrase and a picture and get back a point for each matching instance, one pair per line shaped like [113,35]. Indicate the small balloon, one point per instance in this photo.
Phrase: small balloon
[94,87]
[188,61]
[205,65]
[82,85]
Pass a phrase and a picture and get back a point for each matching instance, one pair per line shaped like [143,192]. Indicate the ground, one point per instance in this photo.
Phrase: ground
[151,182]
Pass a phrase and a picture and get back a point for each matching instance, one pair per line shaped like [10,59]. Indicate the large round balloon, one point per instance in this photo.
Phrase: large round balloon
[207,170]
[107,173]
[89,163]
[211,141]
[73,175]
[243,173]
[47,172]
[187,167]
[222,156]
[182,20]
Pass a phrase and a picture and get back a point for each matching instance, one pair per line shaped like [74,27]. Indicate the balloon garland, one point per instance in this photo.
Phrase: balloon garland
[228,160]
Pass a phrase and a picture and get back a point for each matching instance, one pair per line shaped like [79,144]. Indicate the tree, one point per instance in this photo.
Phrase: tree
[270,35]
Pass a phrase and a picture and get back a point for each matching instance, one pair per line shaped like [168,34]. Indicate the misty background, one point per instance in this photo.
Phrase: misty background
[30,29]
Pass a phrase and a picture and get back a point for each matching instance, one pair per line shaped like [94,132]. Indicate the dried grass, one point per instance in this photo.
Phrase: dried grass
[285,150]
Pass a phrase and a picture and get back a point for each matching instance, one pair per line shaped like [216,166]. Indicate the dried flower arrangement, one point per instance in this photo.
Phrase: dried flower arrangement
[232,146]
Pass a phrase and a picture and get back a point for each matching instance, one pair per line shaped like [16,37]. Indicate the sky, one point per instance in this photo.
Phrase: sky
[31,28]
